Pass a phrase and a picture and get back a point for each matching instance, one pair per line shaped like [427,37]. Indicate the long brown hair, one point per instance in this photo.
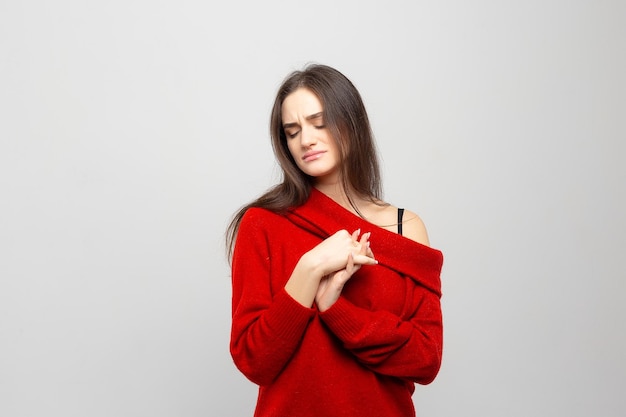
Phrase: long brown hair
[346,118]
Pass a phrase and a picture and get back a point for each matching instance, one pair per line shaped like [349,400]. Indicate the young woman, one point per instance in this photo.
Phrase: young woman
[336,294]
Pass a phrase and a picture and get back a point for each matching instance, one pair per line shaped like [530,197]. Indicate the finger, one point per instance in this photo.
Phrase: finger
[364,260]
[365,242]
[350,262]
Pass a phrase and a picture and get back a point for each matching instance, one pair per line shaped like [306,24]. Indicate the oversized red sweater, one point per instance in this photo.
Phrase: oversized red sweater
[362,356]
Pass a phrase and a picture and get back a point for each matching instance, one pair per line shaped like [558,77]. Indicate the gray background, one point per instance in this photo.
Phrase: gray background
[130,131]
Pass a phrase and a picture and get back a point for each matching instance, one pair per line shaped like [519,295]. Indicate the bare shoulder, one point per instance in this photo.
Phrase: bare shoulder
[386,217]
[413,228]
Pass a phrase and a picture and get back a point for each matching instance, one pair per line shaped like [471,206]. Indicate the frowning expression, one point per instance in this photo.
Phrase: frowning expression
[309,141]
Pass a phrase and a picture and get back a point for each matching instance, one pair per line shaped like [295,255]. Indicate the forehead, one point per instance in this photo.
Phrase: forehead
[301,103]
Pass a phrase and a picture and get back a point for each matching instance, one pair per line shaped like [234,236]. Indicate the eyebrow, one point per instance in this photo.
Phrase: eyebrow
[310,117]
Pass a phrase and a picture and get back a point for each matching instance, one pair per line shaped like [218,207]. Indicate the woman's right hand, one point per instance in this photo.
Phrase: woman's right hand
[333,253]
[329,256]
[331,286]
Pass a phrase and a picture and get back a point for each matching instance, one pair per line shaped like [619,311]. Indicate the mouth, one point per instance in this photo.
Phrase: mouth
[312,155]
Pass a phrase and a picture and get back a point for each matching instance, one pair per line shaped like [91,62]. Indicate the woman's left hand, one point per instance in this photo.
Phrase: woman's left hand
[331,285]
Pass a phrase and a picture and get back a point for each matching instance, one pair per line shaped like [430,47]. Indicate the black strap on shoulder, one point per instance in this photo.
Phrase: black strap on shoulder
[400,214]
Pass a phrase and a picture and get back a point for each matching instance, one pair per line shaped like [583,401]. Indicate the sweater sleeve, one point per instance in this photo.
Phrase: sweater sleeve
[266,328]
[409,348]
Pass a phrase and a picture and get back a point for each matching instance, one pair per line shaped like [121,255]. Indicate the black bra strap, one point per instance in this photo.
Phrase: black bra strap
[400,214]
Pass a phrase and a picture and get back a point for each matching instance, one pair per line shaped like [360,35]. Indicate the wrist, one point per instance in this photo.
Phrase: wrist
[311,267]
[304,282]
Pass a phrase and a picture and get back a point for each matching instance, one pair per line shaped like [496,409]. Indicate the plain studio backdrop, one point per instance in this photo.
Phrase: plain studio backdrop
[130,131]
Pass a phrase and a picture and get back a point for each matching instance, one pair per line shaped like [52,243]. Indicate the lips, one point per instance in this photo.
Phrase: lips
[312,155]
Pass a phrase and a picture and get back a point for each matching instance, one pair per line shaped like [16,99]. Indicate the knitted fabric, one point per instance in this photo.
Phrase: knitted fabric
[361,357]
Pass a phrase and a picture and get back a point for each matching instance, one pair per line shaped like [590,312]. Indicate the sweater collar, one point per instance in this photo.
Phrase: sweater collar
[322,217]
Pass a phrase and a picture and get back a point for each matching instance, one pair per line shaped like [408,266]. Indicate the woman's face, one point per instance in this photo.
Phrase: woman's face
[308,139]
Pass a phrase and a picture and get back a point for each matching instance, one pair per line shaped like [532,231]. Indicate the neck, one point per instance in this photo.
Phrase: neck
[336,192]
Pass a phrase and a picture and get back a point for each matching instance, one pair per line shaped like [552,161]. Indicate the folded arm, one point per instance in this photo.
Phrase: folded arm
[409,348]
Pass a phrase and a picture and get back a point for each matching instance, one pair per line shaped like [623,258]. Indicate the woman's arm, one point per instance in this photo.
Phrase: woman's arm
[333,254]
[408,348]
[267,328]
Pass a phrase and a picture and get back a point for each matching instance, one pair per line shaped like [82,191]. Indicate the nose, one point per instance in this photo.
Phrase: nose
[308,137]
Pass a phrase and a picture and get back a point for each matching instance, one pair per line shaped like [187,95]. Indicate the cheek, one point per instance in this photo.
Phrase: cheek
[293,151]
[334,148]
[290,148]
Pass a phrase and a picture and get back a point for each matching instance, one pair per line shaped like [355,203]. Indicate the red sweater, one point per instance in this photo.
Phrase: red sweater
[362,356]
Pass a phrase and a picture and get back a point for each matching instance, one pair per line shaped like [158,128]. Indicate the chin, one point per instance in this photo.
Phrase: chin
[318,174]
